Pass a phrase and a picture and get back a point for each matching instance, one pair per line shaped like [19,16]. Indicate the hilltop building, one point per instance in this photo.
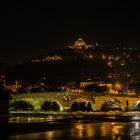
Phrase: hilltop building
[80,44]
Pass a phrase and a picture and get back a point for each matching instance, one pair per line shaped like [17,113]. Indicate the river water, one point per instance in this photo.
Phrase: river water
[59,127]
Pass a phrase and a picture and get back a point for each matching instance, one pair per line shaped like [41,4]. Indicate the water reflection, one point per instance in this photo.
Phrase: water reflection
[118,131]
[34,119]
[81,130]
[134,131]
[77,129]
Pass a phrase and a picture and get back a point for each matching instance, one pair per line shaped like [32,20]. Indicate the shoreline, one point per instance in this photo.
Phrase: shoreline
[60,117]
[109,113]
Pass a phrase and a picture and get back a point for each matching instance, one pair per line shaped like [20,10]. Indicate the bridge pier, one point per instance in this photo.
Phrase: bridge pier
[66,109]
[37,108]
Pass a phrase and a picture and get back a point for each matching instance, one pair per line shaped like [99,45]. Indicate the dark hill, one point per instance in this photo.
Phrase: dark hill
[70,69]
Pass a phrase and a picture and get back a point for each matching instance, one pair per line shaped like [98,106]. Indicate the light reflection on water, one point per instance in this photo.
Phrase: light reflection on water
[79,129]
[33,119]
[134,130]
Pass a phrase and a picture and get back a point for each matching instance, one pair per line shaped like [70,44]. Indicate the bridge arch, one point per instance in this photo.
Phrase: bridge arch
[136,106]
[51,105]
[21,106]
[112,105]
[82,104]
[66,99]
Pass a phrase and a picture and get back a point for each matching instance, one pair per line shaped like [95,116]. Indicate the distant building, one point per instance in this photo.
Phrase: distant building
[80,44]
[84,84]
[113,87]
[13,87]
[48,58]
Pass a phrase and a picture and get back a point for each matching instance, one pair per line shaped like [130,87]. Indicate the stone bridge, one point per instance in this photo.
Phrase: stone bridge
[65,100]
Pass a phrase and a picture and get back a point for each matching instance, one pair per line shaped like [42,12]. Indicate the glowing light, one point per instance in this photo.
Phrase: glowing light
[103,56]
[109,64]
[118,85]
[117,131]
[90,56]
[79,126]
[80,44]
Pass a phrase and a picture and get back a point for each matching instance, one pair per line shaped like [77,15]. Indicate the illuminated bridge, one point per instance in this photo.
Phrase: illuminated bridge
[70,101]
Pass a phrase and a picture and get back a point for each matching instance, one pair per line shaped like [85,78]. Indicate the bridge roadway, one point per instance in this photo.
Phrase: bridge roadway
[66,99]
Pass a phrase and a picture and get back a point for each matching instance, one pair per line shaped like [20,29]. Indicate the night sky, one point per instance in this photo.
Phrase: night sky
[29,29]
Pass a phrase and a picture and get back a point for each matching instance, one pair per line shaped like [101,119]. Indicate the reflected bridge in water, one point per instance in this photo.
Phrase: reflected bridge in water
[58,127]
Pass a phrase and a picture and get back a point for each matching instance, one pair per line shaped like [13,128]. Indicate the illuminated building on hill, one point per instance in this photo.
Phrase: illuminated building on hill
[80,44]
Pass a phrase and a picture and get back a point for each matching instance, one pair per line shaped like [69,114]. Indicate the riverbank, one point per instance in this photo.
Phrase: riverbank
[96,114]
[60,117]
